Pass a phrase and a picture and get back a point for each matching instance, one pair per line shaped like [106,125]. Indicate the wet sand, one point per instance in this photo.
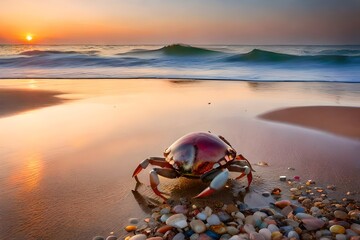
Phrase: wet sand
[343,121]
[65,170]
[14,101]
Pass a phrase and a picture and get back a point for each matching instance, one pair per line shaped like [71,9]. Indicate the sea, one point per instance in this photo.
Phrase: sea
[181,61]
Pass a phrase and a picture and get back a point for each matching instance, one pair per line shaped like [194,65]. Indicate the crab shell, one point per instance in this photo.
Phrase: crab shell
[197,153]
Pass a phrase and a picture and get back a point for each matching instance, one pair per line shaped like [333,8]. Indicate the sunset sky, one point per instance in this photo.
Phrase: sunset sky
[181,21]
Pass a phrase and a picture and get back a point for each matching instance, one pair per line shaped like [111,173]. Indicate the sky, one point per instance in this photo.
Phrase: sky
[180,21]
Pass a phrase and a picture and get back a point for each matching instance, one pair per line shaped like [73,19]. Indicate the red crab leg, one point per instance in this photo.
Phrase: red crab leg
[154,182]
[216,184]
[158,161]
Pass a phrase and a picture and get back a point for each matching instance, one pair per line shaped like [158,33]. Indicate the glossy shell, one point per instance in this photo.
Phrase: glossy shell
[196,153]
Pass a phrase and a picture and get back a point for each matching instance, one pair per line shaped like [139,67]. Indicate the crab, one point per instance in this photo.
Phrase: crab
[198,155]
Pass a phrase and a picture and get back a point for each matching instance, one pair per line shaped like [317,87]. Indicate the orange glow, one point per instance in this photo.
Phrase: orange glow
[29,37]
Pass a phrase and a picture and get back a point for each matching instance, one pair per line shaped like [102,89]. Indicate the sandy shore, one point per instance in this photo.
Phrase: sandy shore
[14,101]
[65,170]
[343,121]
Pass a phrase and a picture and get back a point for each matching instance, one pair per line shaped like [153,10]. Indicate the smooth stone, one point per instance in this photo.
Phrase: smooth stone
[249,228]
[350,233]
[337,229]
[98,238]
[202,216]
[302,216]
[177,220]
[295,191]
[198,226]
[111,237]
[286,229]
[195,236]
[133,221]
[165,210]
[293,234]
[266,233]
[236,237]
[207,211]
[276,235]
[312,223]
[299,210]
[164,217]
[266,194]
[225,237]
[292,223]
[180,209]
[240,215]
[212,234]
[155,238]
[130,228]
[256,236]
[307,203]
[138,237]
[273,228]
[340,237]
[164,229]
[355,227]
[259,216]
[286,210]
[230,208]
[213,219]
[179,236]
[250,220]
[223,216]
[340,214]
[219,229]
[282,203]
[232,230]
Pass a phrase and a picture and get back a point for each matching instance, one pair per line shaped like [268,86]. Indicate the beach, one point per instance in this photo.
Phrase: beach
[68,147]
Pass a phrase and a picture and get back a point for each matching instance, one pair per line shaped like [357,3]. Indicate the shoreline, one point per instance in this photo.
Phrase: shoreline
[14,101]
[338,120]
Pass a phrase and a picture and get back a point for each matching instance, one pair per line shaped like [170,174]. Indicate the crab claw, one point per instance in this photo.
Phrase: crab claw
[216,184]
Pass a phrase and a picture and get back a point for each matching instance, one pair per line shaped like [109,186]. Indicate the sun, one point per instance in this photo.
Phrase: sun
[29,37]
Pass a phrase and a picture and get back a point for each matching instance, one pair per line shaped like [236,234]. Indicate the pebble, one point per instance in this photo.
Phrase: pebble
[256,236]
[266,233]
[177,220]
[337,229]
[213,219]
[138,237]
[340,214]
[355,227]
[164,229]
[283,203]
[293,235]
[273,228]
[112,237]
[130,228]
[309,215]
[198,226]
[179,236]
[201,216]
[232,230]
[313,223]
[266,194]
[98,238]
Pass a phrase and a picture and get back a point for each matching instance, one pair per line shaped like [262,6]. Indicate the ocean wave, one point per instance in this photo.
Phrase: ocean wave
[176,50]
[263,56]
[54,52]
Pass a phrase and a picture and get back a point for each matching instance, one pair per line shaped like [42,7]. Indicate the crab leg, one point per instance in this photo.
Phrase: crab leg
[216,184]
[154,182]
[158,161]
[245,171]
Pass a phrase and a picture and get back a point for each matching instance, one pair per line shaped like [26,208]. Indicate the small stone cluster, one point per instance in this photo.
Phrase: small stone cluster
[310,214]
